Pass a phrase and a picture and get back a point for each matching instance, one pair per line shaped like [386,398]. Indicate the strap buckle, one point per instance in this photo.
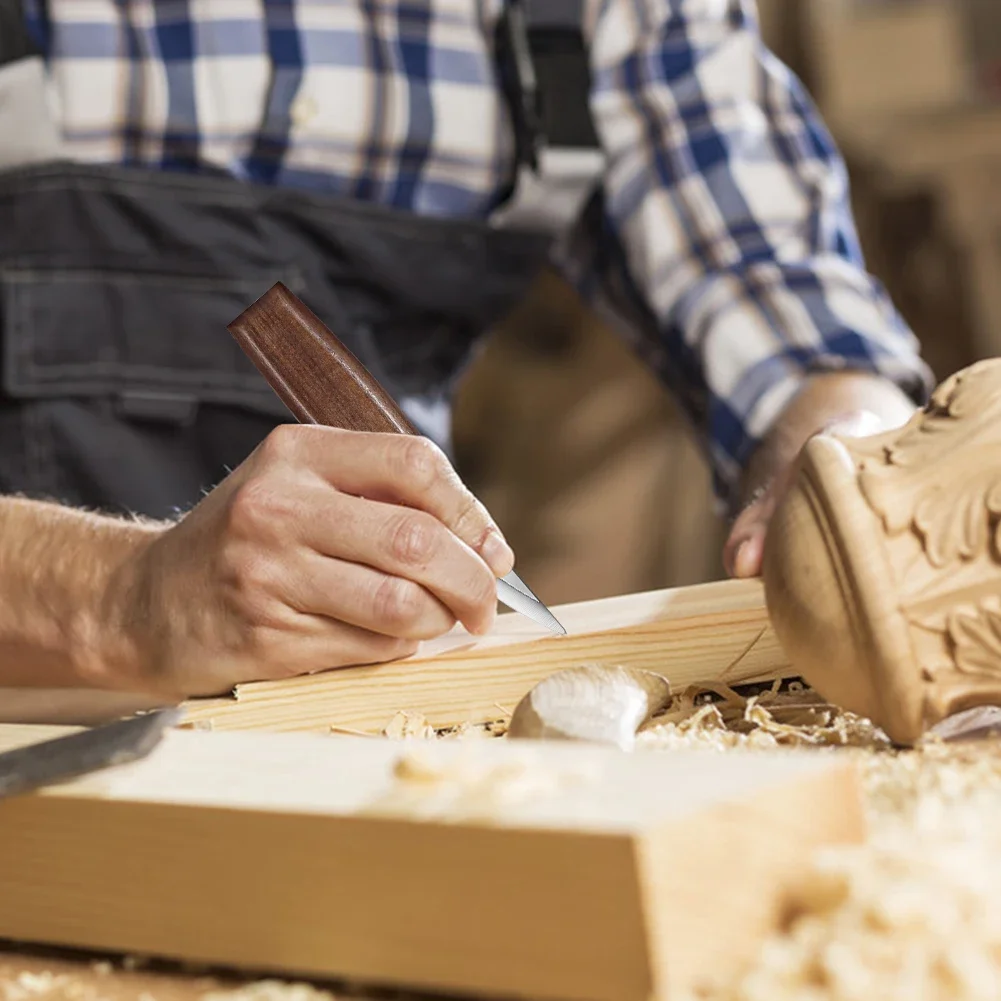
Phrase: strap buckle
[521,84]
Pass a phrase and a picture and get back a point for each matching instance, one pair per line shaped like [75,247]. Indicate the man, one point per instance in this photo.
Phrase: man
[360,151]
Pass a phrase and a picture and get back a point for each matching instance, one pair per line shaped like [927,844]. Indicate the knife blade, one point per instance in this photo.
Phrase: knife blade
[516,595]
[318,378]
[26,769]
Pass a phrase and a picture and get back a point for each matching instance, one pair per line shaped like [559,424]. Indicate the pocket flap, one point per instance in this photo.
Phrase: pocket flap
[125,330]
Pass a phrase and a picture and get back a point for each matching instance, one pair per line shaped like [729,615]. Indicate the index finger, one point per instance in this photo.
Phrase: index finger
[413,471]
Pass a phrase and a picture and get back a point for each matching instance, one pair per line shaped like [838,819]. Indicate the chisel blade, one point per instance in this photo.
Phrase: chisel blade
[52,761]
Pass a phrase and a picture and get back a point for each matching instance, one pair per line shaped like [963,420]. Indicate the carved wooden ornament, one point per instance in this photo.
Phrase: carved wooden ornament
[882,569]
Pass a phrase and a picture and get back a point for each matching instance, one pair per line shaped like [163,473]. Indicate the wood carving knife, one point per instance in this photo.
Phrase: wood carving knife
[26,769]
[318,378]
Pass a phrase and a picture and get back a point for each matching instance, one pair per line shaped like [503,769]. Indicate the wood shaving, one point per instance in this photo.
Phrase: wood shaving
[46,986]
[465,788]
[268,990]
[794,717]
[912,915]
[408,726]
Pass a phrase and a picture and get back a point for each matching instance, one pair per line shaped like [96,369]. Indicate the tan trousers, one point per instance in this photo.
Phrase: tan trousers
[580,455]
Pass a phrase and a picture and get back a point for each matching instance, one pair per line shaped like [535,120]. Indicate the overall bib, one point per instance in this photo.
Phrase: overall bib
[120,387]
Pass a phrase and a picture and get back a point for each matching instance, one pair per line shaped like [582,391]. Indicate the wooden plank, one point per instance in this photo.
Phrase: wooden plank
[718,631]
[497,868]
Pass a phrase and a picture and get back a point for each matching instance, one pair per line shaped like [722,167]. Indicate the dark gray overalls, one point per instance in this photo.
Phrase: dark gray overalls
[122,389]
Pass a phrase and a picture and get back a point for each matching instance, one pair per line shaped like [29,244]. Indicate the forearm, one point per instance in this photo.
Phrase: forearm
[856,402]
[729,204]
[62,607]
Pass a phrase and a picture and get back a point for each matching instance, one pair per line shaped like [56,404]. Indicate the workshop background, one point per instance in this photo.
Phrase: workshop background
[577,450]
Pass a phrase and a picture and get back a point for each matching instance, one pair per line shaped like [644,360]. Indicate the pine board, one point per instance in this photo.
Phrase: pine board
[592,875]
[709,632]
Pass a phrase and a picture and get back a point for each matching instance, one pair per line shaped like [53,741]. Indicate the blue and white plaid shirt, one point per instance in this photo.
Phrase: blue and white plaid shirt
[723,189]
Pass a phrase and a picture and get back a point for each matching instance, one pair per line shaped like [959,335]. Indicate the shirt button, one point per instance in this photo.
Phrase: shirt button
[304,109]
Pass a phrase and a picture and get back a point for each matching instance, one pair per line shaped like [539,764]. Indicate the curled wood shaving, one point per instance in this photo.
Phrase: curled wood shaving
[406,725]
[912,915]
[410,725]
[916,912]
[795,717]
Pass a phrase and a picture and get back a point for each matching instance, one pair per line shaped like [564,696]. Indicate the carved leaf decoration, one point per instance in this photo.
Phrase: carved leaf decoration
[976,640]
[942,476]
[955,521]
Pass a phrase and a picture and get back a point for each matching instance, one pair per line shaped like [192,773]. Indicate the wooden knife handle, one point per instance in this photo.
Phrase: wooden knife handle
[312,372]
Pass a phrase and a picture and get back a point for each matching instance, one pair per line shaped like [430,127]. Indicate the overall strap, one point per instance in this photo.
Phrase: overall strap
[543,65]
[28,131]
[15,41]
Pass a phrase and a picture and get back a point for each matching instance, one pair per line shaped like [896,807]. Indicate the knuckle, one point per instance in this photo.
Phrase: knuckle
[402,647]
[471,517]
[484,589]
[397,603]
[422,463]
[258,506]
[250,577]
[267,646]
[281,443]
[414,539]
[385,648]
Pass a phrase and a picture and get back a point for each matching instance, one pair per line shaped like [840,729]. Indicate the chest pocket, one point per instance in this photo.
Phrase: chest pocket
[115,288]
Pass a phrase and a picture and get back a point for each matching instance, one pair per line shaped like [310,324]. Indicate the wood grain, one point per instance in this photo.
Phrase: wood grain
[315,375]
[708,632]
[528,869]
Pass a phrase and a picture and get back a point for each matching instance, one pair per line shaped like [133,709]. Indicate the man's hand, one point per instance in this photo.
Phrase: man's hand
[852,404]
[325,548]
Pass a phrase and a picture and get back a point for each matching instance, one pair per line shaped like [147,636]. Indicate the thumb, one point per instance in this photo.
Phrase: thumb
[744,551]
[745,547]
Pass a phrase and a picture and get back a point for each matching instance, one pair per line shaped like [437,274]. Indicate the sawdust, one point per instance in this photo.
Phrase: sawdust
[30,986]
[407,725]
[912,915]
[269,990]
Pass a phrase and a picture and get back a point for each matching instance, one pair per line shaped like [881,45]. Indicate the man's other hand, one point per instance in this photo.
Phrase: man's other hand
[325,548]
[851,404]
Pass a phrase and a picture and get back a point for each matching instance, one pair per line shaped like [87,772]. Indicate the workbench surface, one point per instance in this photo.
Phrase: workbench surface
[919,904]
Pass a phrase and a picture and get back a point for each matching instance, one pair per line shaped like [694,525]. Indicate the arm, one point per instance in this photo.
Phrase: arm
[324,548]
[59,626]
[726,206]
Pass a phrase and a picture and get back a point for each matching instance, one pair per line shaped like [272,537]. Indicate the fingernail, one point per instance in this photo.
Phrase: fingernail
[740,559]
[497,553]
[746,561]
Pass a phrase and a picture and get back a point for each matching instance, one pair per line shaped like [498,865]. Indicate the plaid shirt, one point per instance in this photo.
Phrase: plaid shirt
[726,202]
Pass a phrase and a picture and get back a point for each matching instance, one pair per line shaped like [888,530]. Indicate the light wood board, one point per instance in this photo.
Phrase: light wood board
[709,632]
[540,870]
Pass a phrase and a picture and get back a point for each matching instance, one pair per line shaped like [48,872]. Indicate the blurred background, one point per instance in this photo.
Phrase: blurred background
[577,450]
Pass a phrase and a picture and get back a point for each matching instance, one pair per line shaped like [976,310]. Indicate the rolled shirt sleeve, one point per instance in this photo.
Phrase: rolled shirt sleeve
[726,206]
